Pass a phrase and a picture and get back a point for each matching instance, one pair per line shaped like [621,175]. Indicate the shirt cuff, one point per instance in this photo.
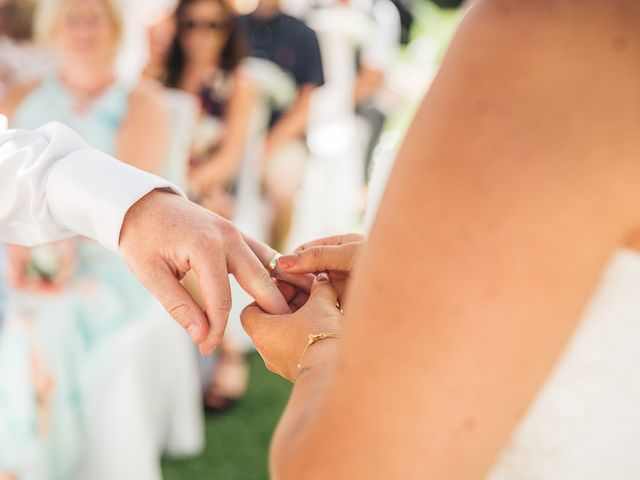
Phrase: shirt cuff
[89,193]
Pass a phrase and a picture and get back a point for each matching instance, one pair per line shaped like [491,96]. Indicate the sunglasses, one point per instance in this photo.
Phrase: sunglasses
[213,25]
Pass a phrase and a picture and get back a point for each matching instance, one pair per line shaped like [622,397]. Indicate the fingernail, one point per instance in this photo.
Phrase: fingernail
[288,261]
[193,331]
[323,277]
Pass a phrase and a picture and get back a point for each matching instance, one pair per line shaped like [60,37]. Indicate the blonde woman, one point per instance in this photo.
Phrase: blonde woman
[69,301]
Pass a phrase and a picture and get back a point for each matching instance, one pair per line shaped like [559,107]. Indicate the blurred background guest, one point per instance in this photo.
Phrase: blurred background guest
[359,42]
[207,59]
[161,31]
[20,59]
[376,57]
[373,31]
[265,125]
[3,286]
[291,45]
[69,401]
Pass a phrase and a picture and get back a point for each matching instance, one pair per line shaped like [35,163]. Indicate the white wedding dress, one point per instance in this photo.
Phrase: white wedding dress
[585,423]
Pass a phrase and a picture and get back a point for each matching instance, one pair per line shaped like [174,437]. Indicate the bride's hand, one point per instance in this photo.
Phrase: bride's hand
[335,255]
[281,339]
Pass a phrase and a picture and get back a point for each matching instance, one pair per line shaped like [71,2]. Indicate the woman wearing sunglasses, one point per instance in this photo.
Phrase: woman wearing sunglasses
[206,60]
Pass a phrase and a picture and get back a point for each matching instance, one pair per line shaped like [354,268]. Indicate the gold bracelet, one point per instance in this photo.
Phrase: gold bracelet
[315,339]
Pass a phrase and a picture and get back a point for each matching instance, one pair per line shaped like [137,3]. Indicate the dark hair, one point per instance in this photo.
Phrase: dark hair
[233,52]
[16,19]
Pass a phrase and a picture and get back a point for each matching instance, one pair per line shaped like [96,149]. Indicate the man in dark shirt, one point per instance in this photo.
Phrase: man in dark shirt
[290,44]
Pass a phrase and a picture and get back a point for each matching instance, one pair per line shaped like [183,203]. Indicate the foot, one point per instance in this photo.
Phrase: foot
[228,383]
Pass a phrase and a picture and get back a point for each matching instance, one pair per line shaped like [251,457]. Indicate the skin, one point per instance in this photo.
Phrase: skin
[160,34]
[336,255]
[146,114]
[85,41]
[197,240]
[200,241]
[203,49]
[293,124]
[517,182]
[209,178]
[193,238]
[267,8]
[368,83]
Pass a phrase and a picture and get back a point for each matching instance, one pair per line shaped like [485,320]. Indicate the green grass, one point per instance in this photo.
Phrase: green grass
[237,442]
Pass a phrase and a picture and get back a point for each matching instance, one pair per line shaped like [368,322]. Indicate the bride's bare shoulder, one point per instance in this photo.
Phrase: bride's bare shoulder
[576,8]
[611,23]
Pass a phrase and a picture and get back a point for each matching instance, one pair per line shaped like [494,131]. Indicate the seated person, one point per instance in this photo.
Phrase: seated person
[294,47]
[69,301]
[205,60]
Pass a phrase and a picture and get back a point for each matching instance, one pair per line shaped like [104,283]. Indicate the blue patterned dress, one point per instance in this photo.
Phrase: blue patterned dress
[63,337]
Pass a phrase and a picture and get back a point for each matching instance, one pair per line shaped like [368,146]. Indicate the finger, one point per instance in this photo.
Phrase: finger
[321,258]
[216,295]
[333,240]
[288,291]
[299,301]
[323,292]
[265,254]
[295,298]
[163,284]
[255,279]
[302,281]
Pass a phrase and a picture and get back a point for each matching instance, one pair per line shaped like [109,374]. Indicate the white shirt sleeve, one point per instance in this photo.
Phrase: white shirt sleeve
[53,185]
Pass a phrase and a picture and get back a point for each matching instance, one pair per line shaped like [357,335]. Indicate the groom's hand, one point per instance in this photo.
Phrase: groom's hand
[164,236]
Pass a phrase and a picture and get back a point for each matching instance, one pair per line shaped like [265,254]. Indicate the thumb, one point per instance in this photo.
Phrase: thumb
[251,317]
[323,293]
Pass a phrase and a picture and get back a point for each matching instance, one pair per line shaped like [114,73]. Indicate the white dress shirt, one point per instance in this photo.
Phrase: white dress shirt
[53,185]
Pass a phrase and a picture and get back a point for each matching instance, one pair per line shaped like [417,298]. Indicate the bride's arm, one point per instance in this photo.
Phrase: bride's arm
[518,180]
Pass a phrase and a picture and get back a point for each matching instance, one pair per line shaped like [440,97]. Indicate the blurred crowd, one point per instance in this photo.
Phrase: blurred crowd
[266,112]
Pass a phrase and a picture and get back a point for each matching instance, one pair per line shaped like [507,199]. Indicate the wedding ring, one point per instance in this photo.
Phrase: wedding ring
[273,263]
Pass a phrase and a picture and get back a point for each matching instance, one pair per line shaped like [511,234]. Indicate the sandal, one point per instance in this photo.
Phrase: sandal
[228,383]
